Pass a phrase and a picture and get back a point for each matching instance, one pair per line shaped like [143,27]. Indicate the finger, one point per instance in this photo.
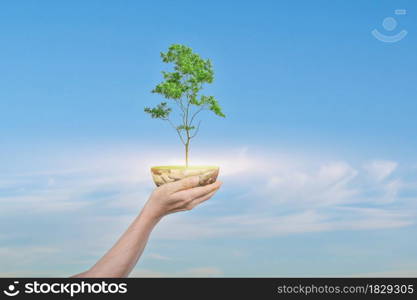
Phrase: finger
[197,192]
[183,184]
[195,202]
[200,200]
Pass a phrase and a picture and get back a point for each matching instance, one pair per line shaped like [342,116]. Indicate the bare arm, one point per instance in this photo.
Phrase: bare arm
[168,198]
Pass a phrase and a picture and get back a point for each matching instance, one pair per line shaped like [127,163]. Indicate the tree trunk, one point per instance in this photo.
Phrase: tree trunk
[186,153]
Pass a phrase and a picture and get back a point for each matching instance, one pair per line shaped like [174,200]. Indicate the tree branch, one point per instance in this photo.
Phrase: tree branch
[176,129]
[196,131]
[196,113]
[181,106]
[186,117]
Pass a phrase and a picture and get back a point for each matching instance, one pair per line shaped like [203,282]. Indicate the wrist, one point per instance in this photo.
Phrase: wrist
[149,215]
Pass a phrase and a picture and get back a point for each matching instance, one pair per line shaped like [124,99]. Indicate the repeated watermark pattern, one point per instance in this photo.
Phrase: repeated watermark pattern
[390,24]
[12,290]
[65,288]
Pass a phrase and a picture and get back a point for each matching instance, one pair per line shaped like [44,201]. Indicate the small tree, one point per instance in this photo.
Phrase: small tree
[183,86]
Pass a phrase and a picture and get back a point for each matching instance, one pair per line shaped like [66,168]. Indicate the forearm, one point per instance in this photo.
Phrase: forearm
[123,256]
[166,199]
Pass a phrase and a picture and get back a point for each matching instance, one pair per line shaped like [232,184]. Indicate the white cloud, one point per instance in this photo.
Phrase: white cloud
[25,273]
[40,202]
[269,225]
[380,169]
[327,185]
[308,193]
[157,256]
[203,271]
[264,195]
[139,272]
[237,163]
[389,274]
[21,257]
[408,269]
[68,186]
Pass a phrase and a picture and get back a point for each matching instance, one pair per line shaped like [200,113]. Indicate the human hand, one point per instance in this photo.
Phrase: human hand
[180,195]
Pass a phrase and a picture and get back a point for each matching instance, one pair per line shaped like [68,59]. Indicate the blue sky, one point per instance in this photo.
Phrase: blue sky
[317,151]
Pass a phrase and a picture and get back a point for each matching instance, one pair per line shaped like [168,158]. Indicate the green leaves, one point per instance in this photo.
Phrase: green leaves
[191,72]
[171,88]
[215,107]
[183,85]
[212,104]
[189,63]
[161,111]
[184,127]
